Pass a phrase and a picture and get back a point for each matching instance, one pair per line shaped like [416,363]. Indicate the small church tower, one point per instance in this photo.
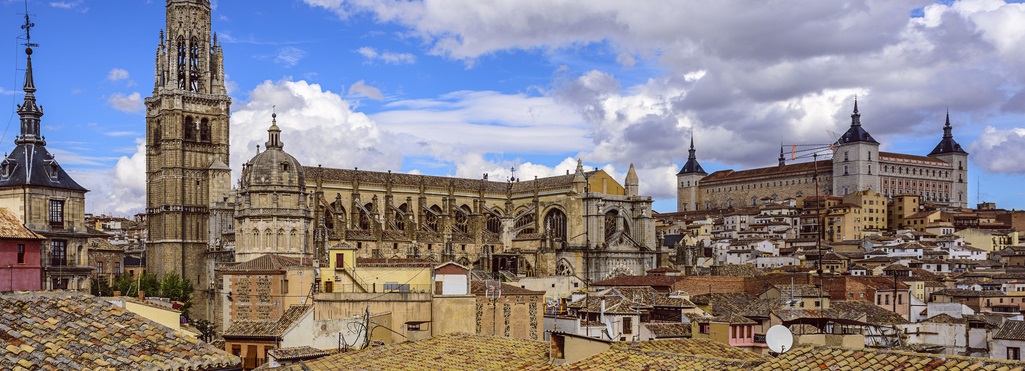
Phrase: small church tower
[687,182]
[855,159]
[951,152]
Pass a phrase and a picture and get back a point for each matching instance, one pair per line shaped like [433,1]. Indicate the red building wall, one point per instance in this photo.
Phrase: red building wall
[16,276]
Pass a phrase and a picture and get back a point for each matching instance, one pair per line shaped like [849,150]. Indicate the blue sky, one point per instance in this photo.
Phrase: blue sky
[463,87]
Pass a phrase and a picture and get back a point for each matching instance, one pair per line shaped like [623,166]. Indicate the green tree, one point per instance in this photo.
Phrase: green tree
[100,287]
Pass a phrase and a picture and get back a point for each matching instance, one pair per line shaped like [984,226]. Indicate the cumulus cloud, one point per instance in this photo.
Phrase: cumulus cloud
[372,55]
[1000,151]
[120,190]
[744,77]
[126,103]
[361,88]
[116,74]
[289,56]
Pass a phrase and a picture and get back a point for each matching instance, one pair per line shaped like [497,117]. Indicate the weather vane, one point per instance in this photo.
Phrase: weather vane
[28,28]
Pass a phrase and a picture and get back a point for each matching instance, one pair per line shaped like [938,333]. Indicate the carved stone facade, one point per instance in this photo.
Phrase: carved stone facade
[582,224]
[186,147]
[856,165]
[272,210]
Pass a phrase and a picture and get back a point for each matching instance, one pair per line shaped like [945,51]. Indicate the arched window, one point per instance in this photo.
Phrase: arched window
[364,219]
[494,223]
[555,224]
[293,239]
[281,239]
[433,218]
[611,223]
[194,64]
[190,129]
[204,130]
[267,238]
[463,218]
[255,239]
[181,62]
[526,221]
[399,217]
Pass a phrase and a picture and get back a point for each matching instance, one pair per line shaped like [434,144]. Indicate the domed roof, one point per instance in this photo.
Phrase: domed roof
[274,166]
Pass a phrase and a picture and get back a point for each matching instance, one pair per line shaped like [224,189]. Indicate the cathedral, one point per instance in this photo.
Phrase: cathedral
[583,223]
[856,165]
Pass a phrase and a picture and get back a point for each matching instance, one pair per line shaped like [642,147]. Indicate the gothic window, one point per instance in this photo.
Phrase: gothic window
[181,62]
[526,222]
[611,219]
[204,131]
[281,239]
[399,217]
[555,224]
[267,238]
[433,217]
[190,129]
[463,218]
[293,241]
[494,223]
[194,65]
[564,268]
[255,241]
[364,219]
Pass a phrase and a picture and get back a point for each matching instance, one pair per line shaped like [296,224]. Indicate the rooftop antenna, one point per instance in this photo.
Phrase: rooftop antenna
[779,338]
[493,291]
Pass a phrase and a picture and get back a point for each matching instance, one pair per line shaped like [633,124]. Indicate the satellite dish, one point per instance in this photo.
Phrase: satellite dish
[608,327]
[779,338]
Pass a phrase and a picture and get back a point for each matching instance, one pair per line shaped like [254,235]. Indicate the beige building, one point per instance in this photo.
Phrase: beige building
[37,189]
[856,165]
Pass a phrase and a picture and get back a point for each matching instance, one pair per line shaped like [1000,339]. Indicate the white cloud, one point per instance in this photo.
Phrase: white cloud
[289,56]
[372,55]
[116,74]
[126,103]
[1000,151]
[361,88]
[120,190]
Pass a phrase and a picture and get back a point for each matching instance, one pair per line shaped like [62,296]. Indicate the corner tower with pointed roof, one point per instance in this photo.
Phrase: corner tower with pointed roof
[855,159]
[949,151]
[38,190]
[687,182]
[186,147]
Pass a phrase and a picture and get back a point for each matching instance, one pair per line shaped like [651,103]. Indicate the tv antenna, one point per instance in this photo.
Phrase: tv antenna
[779,338]
[493,291]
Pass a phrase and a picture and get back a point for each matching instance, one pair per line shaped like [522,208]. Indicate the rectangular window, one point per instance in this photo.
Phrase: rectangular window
[58,253]
[1014,353]
[627,326]
[117,268]
[99,268]
[57,214]
[340,260]
[21,254]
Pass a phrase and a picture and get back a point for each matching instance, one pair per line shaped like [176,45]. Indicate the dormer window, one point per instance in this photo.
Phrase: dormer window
[7,168]
[284,167]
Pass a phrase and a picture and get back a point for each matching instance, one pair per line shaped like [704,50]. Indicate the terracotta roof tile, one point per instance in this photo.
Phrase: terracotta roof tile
[11,227]
[681,354]
[267,263]
[267,328]
[66,331]
[825,358]
[1011,330]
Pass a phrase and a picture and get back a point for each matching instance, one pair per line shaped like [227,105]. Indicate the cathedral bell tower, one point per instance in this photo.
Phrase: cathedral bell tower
[186,144]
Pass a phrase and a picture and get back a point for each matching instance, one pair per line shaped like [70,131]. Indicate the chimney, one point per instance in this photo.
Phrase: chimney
[142,295]
[117,293]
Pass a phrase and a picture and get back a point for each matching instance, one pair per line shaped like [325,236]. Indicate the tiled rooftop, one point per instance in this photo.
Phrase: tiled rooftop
[683,354]
[11,227]
[74,331]
[268,263]
[823,358]
[267,328]
[444,352]
[295,353]
[1011,330]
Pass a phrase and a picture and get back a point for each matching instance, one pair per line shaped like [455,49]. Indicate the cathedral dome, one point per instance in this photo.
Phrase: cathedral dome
[274,166]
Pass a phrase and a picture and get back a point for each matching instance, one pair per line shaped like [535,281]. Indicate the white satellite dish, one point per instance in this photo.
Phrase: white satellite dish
[779,338]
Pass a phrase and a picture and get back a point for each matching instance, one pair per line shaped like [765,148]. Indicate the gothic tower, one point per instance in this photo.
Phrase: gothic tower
[186,145]
[950,151]
[688,178]
[855,159]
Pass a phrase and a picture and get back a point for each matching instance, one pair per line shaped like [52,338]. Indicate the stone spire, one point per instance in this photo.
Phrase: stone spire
[632,182]
[947,144]
[29,111]
[692,165]
[856,133]
[782,160]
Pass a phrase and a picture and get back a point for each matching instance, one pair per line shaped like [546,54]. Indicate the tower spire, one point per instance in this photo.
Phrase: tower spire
[274,134]
[782,160]
[856,116]
[692,165]
[29,112]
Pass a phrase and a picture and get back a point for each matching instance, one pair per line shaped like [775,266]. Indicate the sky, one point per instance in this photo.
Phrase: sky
[468,87]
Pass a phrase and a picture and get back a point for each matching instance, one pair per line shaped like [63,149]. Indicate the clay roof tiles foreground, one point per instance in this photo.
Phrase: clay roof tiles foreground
[74,331]
[682,354]
[824,358]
